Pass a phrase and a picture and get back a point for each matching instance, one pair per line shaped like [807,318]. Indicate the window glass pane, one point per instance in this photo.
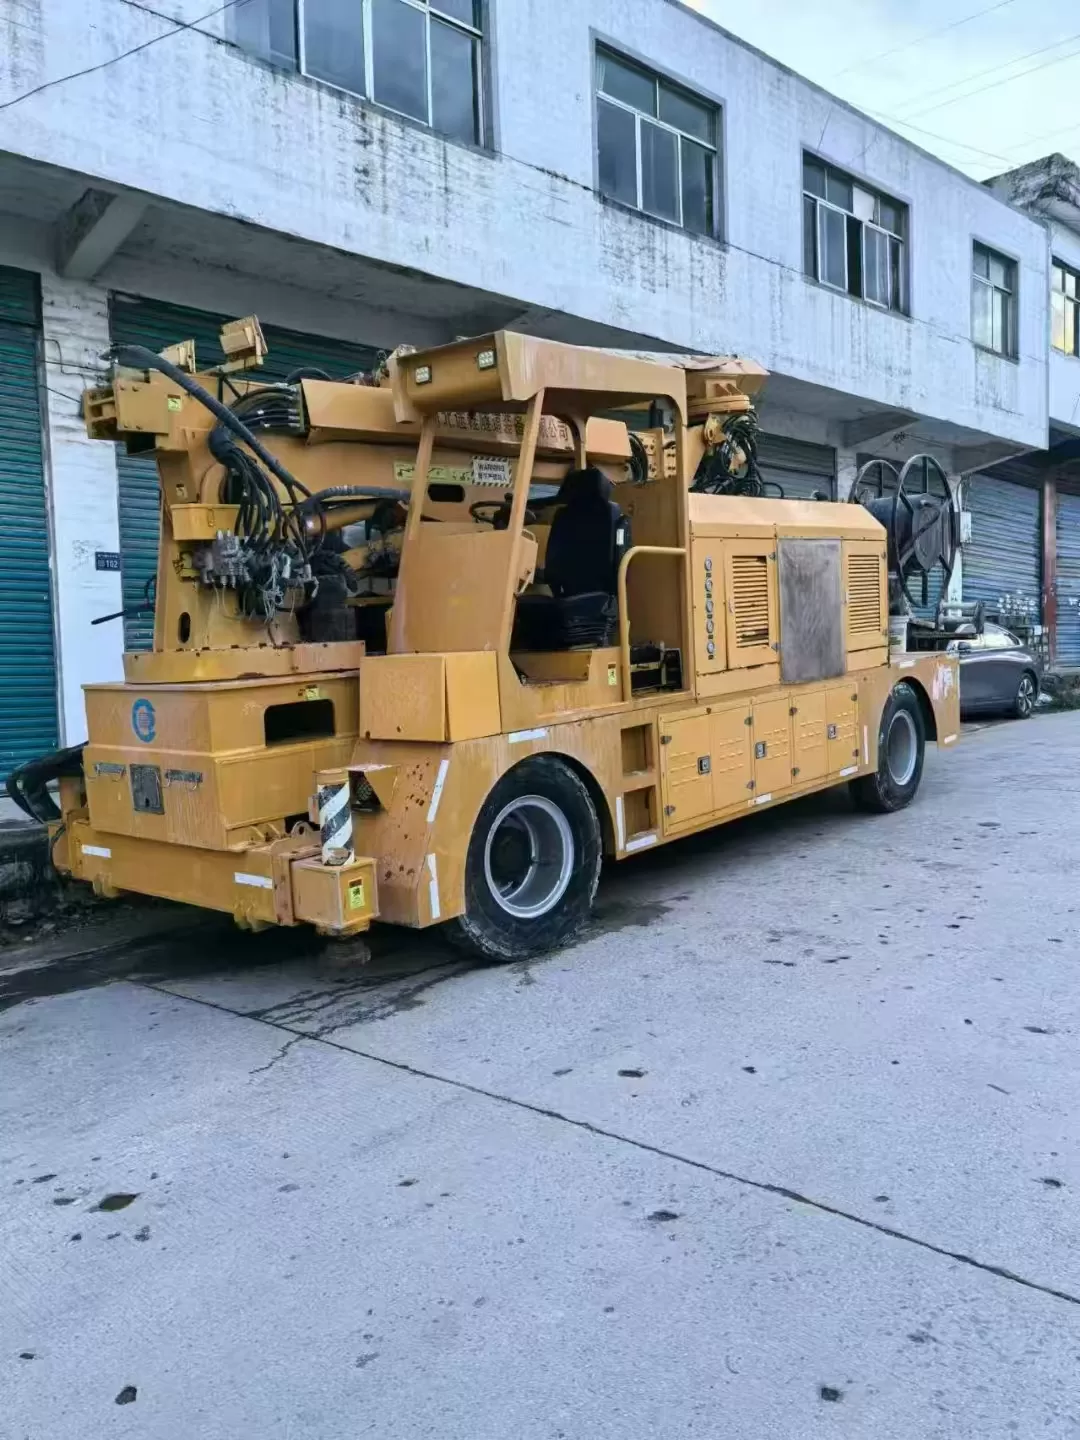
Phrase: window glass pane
[838,190]
[876,271]
[982,327]
[334,43]
[1070,282]
[832,247]
[889,216]
[616,142]
[624,82]
[854,255]
[813,176]
[898,276]
[981,261]
[659,172]
[266,28]
[399,57]
[1072,326]
[453,81]
[1001,322]
[697,187]
[999,272]
[467,11]
[1057,278]
[809,237]
[688,115]
[1057,321]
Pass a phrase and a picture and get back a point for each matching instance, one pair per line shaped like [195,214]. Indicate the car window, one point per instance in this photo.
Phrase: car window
[992,638]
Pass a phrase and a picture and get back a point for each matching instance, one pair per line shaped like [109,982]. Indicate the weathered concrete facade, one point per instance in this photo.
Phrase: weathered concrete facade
[195,172]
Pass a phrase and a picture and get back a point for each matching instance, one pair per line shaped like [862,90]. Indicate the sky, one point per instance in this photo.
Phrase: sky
[984,84]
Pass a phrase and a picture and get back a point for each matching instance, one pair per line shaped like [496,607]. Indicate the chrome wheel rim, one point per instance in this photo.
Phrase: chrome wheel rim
[529,857]
[901,748]
[1025,697]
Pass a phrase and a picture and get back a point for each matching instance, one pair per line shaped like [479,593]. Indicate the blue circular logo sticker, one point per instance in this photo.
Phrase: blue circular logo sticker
[142,721]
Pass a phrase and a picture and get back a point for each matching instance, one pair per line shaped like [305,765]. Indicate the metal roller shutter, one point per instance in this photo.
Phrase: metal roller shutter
[1068,580]
[28,711]
[1002,560]
[797,466]
[135,321]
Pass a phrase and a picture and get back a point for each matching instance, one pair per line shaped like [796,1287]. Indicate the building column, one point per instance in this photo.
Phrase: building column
[847,468]
[82,485]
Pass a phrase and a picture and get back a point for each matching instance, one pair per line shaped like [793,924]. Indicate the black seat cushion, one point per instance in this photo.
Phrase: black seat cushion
[588,538]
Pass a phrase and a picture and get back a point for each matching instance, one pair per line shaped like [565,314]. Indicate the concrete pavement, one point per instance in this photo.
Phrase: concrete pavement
[785,1148]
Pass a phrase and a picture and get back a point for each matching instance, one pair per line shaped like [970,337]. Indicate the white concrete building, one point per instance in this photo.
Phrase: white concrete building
[366,172]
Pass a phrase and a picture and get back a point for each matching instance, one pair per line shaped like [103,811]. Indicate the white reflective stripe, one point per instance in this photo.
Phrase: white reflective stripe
[433,888]
[906,665]
[947,741]
[260,882]
[620,822]
[640,843]
[436,794]
[849,770]
[100,850]
[865,747]
[762,799]
[517,736]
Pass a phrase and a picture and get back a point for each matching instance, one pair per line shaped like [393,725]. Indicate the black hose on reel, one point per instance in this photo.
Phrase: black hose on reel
[731,468]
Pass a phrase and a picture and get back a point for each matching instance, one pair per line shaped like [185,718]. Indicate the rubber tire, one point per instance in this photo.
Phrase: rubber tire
[1018,712]
[879,793]
[485,929]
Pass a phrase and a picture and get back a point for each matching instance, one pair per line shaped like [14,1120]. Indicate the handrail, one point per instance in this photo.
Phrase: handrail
[624,613]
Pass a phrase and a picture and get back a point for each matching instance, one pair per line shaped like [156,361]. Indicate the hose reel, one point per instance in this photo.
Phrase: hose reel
[917,507]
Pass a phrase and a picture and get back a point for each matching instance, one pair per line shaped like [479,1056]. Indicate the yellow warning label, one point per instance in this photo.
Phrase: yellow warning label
[311,692]
[613,674]
[356,895]
[437,475]
[173,402]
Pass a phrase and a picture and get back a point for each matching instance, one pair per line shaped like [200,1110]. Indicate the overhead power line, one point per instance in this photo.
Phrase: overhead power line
[919,39]
[934,135]
[990,70]
[997,84]
[178,27]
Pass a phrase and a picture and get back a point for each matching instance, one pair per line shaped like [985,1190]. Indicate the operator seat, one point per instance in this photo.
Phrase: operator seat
[589,536]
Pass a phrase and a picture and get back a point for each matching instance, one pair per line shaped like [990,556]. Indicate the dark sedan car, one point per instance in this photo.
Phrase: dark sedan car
[998,675]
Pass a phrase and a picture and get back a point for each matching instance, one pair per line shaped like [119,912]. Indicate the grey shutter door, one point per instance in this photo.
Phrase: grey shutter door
[1002,560]
[797,466]
[1068,580]
[28,710]
[136,321]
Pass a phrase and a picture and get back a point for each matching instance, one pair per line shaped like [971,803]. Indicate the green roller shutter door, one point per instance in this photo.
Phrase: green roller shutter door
[153,323]
[28,712]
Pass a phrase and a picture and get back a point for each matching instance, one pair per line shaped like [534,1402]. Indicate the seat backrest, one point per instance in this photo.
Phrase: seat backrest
[588,536]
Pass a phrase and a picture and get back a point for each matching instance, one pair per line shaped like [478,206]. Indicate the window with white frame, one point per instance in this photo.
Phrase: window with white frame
[419,57]
[1065,308]
[993,300]
[657,145]
[854,238]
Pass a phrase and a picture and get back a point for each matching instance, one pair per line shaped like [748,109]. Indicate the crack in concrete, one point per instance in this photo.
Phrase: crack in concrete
[765,1186]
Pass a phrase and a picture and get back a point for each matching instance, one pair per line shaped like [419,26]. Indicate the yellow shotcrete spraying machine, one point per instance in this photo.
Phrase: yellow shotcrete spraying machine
[430,643]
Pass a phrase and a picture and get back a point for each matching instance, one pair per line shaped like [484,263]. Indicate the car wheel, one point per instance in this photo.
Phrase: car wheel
[1027,693]
[901,750]
[533,864]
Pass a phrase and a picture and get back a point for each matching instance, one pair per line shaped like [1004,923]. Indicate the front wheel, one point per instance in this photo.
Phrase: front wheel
[901,750]
[533,864]
[1027,692]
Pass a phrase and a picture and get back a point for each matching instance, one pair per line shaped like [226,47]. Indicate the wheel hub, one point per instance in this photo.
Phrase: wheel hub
[529,857]
[901,749]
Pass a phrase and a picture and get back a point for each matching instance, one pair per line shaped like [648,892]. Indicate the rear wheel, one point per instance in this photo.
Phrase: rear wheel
[533,864]
[1027,692]
[901,750]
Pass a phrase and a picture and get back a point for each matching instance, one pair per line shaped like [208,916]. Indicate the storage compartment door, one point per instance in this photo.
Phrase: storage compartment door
[686,769]
[842,723]
[732,757]
[810,750]
[772,746]
[866,601]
